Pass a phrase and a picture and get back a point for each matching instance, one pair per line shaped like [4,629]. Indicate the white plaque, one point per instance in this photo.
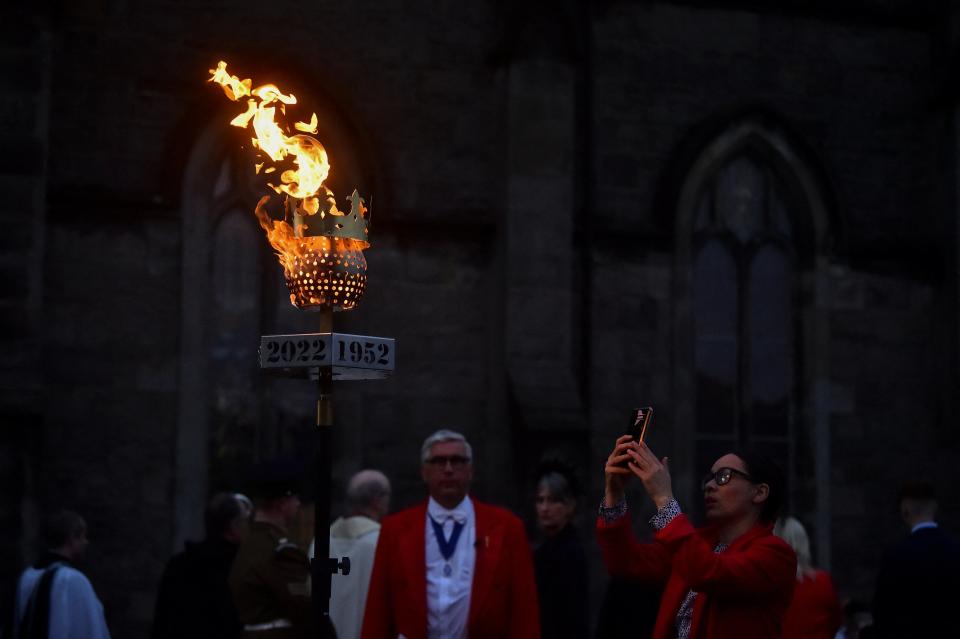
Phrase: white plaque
[348,355]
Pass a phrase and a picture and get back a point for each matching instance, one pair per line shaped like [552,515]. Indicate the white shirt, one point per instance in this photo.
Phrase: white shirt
[75,611]
[448,598]
[922,525]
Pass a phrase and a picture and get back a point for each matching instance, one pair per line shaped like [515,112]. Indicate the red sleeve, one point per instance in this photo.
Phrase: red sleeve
[377,618]
[835,614]
[524,610]
[766,566]
[624,556]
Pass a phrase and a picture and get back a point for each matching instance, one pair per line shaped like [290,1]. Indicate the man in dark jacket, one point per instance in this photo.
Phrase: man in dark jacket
[194,599]
[920,576]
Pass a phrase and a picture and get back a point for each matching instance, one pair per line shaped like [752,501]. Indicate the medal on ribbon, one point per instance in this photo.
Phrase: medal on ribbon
[447,546]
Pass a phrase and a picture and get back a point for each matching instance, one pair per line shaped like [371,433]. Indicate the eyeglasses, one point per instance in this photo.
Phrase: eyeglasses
[455,461]
[722,476]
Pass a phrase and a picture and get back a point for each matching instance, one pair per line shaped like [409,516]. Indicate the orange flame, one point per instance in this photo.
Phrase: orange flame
[309,156]
[307,263]
[319,270]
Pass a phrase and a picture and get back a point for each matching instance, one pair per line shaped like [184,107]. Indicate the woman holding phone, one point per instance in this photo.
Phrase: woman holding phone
[732,578]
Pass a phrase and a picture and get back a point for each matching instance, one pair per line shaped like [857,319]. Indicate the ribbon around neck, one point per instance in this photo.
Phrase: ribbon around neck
[446,546]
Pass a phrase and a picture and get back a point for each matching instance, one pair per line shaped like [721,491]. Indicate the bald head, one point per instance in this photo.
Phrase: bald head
[368,494]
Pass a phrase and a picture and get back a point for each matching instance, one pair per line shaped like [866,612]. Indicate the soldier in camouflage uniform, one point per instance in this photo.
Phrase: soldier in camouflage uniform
[270,578]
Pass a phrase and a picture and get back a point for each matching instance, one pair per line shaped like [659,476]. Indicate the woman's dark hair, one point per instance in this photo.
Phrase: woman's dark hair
[763,470]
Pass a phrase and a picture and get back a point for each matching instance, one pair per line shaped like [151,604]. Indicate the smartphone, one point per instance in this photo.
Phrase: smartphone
[639,420]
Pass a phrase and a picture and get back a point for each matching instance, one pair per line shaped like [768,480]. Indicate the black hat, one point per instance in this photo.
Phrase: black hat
[275,479]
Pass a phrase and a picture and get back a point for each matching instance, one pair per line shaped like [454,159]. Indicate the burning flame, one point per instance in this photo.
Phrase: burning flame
[308,262]
[308,154]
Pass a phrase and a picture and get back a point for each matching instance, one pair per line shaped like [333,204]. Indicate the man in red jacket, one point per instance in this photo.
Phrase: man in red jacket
[733,578]
[451,567]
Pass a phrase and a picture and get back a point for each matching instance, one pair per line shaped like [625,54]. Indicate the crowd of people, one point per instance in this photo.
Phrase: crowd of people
[454,567]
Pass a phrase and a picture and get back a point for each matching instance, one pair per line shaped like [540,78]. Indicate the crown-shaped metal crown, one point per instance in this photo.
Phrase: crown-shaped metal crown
[330,221]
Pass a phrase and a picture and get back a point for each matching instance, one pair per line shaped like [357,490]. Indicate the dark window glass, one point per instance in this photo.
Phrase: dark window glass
[716,348]
[744,283]
[740,198]
[771,341]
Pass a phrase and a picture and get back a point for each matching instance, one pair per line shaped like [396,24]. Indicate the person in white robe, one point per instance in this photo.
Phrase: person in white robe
[55,599]
[355,536]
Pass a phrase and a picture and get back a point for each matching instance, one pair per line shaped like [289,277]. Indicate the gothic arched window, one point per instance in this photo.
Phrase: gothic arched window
[751,335]
[744,269]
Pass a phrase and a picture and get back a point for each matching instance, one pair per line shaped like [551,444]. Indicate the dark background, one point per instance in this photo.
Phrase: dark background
[742,213]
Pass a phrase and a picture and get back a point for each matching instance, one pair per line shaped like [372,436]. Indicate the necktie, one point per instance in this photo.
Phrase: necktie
[446,546]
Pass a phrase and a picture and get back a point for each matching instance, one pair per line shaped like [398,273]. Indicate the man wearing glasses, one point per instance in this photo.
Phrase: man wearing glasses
[451,566]
[733,578]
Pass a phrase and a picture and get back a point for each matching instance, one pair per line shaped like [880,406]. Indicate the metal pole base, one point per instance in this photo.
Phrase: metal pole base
[322,567]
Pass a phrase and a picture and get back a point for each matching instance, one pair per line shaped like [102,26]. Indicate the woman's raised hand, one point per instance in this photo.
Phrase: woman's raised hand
[616,473]
[653,472]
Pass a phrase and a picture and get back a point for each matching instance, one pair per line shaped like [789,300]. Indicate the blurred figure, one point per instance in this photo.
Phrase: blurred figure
[55,599]
[814,611]
[451,566]
[194,600]
[559,560]
[270,578]
[919,577]
[355,536]
[856,621]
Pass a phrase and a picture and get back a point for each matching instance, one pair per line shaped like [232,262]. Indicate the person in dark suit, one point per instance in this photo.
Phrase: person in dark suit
[451,566]
[194,600]
[919,577]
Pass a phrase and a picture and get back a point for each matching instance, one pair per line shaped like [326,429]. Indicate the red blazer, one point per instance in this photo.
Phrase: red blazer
[743,592]
[503,601]
[815,611]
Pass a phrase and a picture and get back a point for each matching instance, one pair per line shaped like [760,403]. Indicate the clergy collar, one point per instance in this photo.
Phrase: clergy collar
[461,513]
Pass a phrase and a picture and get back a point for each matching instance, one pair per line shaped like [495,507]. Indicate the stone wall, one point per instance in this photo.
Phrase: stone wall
[524,245]
[889,420]
[129,101]
[25,58]
[858,96]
